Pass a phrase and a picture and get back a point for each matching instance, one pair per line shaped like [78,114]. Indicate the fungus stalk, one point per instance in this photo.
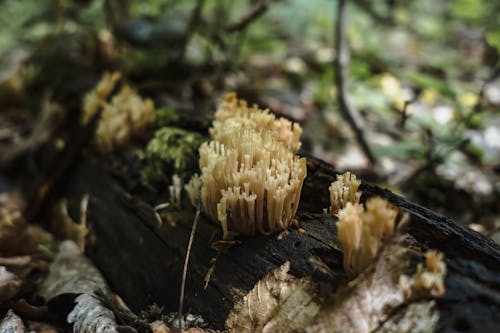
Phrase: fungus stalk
[175,190]
[251,179]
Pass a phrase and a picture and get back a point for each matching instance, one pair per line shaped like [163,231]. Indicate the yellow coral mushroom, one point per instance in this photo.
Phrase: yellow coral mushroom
[427,281]
[251,179]
[362,232]
[344,190]
[125,117]
[349,230]
[235,112]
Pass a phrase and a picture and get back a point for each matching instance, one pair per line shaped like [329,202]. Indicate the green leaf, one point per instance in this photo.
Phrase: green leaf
[468,9]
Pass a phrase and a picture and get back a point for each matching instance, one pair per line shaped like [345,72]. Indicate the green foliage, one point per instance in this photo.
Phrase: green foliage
[171,151]
[493,38]
[18,26]
[468,9]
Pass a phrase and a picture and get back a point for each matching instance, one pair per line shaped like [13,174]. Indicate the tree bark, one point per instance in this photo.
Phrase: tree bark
[142,260]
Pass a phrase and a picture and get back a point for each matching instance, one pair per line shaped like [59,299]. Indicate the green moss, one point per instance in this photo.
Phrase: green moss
[172,150]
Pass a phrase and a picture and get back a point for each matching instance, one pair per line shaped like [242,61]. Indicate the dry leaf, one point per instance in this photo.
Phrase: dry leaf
[11,323]
[366,302]
[374,300]
[278,303]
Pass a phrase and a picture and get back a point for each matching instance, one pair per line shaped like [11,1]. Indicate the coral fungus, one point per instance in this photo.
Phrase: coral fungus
[342,191]
[362,231]
[251,179]
[124,117]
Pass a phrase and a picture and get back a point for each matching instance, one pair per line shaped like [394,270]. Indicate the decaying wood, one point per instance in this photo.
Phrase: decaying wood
[142,260]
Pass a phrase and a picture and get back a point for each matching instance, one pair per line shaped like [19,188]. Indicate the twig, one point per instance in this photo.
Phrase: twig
[254,13]
[341,79]
[186,261]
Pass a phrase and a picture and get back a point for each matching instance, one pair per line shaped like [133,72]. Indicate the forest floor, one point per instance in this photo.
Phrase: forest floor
[424,78]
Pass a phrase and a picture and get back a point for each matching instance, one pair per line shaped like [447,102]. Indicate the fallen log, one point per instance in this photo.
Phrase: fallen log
[142,259]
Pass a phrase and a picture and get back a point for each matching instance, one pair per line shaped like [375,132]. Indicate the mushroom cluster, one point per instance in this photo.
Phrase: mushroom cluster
[124,117]
[344,190]
[251,179]
[427,281]
[363,231]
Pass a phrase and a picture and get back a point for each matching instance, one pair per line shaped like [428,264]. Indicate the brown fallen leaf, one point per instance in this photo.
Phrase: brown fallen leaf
[278,303]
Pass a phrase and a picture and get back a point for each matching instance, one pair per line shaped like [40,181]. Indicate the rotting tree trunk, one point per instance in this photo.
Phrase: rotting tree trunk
[142,260]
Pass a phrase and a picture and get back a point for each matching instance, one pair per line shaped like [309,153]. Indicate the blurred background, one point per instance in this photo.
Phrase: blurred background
[422,80]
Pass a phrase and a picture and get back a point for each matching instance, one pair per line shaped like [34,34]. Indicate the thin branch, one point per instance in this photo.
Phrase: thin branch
[341,65]
[186,261]
[254,13]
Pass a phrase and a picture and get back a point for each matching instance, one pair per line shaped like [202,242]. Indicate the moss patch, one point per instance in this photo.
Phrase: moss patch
[172,150]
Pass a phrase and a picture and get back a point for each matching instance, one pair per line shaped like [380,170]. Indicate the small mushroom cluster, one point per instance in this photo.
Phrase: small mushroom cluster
[362,230]
[427,281]
[344,190]
[251,179]
[124,117]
